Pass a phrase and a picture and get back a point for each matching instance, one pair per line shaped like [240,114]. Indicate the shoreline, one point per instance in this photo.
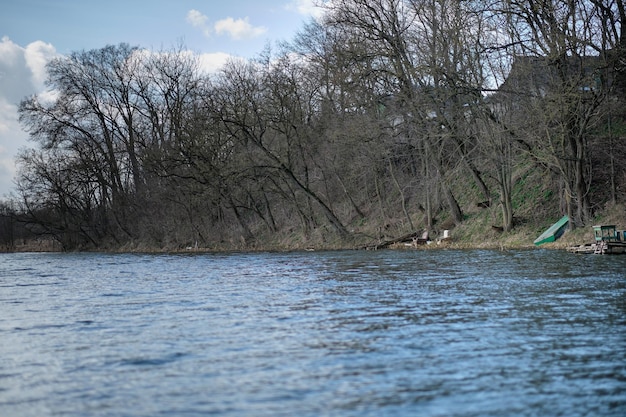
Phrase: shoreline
[434,246]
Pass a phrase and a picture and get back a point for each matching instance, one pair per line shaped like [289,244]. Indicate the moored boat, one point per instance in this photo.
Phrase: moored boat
[607,240]
[553,232]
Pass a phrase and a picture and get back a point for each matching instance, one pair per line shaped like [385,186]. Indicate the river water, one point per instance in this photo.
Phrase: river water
[354,333]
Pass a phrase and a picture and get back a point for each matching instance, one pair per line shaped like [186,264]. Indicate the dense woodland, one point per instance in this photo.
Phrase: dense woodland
[384,118]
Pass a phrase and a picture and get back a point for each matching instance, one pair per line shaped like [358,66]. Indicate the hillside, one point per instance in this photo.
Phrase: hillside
[364,130]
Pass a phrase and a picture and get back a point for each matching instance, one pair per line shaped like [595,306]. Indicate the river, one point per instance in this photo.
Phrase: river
[346,333]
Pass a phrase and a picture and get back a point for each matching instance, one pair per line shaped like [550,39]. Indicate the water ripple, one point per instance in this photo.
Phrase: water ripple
[450,333]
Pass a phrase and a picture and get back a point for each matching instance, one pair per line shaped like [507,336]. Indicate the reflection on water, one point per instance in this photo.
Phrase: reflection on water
[435,333]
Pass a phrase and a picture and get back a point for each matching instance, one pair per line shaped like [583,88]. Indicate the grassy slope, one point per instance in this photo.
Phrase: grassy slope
[536,207]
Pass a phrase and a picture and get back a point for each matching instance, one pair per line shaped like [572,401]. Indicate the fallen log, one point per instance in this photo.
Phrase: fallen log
[413,237]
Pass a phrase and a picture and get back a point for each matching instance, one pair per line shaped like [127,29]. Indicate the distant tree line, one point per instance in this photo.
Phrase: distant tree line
[385,113]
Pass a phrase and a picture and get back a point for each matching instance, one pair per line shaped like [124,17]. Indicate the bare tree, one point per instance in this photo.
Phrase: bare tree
[91,120]
[426,59]
[557,42]
[263,107]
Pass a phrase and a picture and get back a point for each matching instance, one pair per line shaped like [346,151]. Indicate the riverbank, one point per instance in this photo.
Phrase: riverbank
[476,232]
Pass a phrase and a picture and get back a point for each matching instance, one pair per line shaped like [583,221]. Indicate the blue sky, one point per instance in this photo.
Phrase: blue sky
[34,31]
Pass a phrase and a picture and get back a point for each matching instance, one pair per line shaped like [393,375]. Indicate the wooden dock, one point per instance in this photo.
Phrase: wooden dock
[602,248]
[610,248]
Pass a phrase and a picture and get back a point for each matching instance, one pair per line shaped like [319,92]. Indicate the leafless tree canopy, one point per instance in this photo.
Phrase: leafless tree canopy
[385,117]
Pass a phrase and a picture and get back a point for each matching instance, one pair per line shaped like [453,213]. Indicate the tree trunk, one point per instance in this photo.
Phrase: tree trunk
[453,205]
[505,198]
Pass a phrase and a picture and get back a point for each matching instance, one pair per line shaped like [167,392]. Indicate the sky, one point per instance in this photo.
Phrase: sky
[34,31]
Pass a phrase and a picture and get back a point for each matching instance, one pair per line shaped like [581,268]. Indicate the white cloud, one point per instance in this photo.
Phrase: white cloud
[212,63]
[306,7]
[15,79]
[208,63]
[238,29]
[12,138]
[200,21]
[22,73]
[37,55]
[9,51]
[196,18]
